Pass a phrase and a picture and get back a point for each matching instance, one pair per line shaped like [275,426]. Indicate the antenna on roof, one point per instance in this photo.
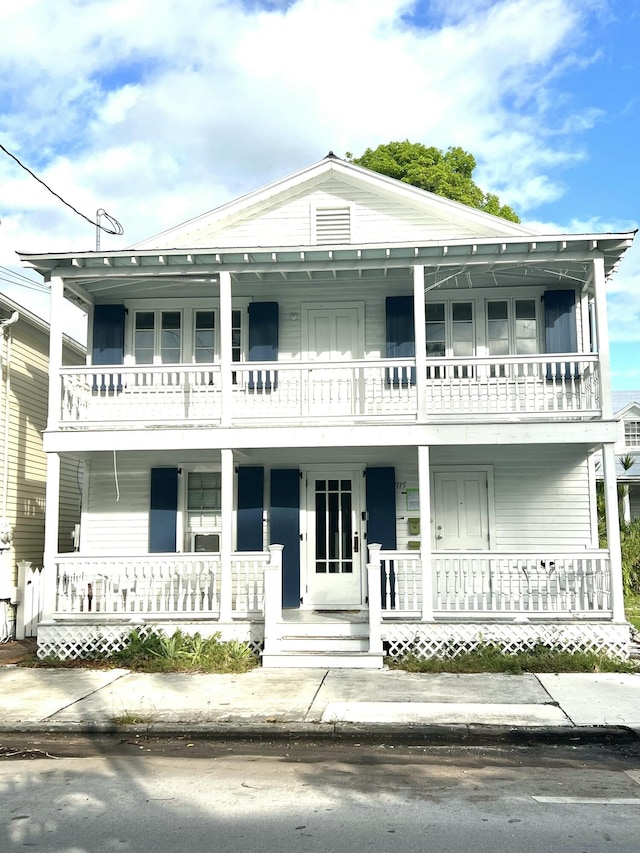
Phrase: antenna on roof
[118,230]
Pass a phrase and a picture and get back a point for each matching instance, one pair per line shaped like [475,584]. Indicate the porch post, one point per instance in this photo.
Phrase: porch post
[424,493]
[272,598]
[602,332]
[226,388]
[420,333]
[613,531]
[375,586]
[52,517]
[55,351]
[226,537]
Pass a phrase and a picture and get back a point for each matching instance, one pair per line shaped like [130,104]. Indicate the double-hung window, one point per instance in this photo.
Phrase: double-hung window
[203,511]
[157,337]
[512,329]
[449,333]
[632,433]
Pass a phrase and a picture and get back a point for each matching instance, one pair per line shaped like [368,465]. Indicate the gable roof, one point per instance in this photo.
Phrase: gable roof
[341,179]
[622,400]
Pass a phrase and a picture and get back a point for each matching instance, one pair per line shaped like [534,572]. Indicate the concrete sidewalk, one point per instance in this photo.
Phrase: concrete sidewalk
[322,703]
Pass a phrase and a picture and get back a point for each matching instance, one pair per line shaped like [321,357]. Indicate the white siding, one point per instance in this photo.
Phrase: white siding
[376,218]
[541,494]
[116,517]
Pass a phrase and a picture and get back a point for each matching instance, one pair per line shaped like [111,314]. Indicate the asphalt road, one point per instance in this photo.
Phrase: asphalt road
[77,794]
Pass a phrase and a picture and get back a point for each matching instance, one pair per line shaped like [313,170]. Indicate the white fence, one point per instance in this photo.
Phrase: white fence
[30,599]
[294,391]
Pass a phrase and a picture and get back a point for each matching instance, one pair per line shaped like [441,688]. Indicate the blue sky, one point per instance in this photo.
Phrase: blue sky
[158,111]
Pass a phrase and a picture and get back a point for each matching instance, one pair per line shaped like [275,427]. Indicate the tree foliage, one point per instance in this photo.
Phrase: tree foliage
[447,173]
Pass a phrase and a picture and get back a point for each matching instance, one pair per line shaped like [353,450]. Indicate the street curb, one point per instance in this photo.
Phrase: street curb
[423,734]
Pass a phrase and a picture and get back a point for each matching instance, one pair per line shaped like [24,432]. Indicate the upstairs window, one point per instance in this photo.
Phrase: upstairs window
[158,337]
[204,342]
[632,433]
[449,329]
[512,327]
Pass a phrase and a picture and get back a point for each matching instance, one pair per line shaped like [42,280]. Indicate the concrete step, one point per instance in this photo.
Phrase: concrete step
[308,643]
[322,660]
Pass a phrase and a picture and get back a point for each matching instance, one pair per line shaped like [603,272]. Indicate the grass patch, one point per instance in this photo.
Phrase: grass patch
[154,651]
[129,718]
[632,609]
[539,658]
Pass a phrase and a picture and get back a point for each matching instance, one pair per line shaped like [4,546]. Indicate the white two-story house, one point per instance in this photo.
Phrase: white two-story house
[339,417]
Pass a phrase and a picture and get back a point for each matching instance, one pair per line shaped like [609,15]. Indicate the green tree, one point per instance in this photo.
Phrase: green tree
[447,173]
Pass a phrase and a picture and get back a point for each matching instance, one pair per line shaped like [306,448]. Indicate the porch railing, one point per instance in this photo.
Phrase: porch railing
[473,584]
[294,391]
[158,585]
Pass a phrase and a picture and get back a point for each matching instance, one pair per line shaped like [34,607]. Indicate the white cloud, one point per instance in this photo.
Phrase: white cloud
[158,111]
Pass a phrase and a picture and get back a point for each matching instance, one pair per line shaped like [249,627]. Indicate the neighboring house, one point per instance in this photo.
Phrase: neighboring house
[24,356]
[337,417]
[626,407]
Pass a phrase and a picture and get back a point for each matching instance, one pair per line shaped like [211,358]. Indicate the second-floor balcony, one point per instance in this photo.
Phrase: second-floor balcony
[550,386]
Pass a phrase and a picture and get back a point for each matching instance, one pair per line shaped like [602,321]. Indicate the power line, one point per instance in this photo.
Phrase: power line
[32,286]
[17,274]
[118,230]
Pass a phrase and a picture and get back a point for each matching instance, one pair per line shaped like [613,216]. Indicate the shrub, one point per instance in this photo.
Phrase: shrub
[154,651]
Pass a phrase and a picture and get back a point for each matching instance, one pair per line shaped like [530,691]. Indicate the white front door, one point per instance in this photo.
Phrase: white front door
[334,333]
[461,517]
[332,548]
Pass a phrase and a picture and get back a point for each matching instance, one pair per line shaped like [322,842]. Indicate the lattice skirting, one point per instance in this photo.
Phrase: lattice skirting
[70,641]
[452,639]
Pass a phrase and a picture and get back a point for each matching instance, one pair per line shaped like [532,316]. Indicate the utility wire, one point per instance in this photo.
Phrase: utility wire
[116,229]
[17,274]
[40,288]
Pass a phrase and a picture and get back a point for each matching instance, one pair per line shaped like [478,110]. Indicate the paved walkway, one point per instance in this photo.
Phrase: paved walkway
[320,702]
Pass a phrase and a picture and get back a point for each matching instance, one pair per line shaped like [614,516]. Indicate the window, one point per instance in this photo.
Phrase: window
[449,332]
[157,337]
[203,511]
[204,341]
[512,327]
[632,433]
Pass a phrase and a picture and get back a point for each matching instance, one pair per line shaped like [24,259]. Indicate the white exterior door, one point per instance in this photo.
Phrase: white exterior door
[334,333]
[333,555]
[461,517]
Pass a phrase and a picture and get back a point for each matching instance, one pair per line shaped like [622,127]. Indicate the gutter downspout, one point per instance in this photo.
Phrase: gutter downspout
[6,363]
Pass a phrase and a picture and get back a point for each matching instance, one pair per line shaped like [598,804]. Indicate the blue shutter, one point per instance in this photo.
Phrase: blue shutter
[284,529]
[401,341]
[250,508]
[163,510]
[108,338]
[263,344]
[381,515]
[560,329]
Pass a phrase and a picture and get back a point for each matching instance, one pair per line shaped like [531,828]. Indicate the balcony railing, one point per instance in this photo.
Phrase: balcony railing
[559,385]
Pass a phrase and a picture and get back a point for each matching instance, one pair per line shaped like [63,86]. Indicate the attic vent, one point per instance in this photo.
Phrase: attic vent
[333,225]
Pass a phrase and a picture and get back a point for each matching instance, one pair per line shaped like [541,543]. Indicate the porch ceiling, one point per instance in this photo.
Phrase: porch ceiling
[448,264]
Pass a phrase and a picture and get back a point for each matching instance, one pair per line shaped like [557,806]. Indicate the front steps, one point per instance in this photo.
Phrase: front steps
[321,644]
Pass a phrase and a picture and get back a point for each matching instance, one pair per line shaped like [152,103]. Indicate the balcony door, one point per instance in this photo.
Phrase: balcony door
[333,550]
[461,510]
[333,333]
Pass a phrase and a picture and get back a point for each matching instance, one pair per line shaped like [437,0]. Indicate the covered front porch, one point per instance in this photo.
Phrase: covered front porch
[464,598]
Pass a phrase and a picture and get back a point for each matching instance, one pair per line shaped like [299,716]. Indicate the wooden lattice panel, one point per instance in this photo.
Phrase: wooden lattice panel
[452,639]
[68,641]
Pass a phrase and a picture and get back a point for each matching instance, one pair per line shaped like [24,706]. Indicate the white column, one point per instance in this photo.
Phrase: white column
[419,317]
[424,493]
[272,598]
[226,538]
[603,337]
[375,585]
[225,324]
[55,350]
[52,516]
[613,531]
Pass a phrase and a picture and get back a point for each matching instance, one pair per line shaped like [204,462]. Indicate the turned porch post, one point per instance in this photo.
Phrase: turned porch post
[419,314]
